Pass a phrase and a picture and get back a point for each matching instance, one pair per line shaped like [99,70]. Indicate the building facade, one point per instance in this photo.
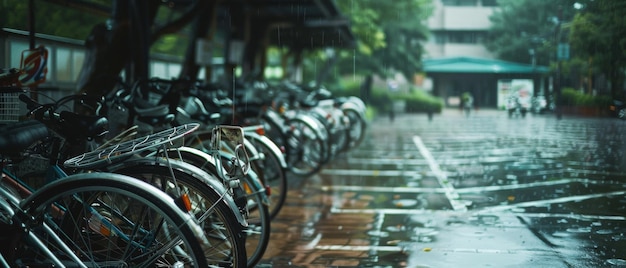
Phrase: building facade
[457,62]
[458,28]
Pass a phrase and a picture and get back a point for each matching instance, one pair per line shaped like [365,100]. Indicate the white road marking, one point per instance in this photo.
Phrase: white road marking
[460,190]
[450,192]
[545,202]
[369,172]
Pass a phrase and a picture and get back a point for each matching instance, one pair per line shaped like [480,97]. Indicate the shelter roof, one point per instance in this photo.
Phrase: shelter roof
[479,65]
[302,23]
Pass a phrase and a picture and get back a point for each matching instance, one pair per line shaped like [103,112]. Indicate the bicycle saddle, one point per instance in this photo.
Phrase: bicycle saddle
[15,137]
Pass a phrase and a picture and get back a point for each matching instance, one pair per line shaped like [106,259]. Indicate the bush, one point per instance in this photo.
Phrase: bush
[419,101]
[572,97]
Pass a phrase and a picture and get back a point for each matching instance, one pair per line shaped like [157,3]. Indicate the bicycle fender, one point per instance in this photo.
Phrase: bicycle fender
[270,144]
[354,107]
[313,123]
[194,171]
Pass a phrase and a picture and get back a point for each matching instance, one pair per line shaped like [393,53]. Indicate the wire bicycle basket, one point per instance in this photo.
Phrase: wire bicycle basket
[10,110]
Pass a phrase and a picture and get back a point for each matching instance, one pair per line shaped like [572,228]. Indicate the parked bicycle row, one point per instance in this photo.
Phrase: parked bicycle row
[219,184]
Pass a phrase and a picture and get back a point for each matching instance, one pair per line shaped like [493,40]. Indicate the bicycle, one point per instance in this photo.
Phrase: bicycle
[89,219]
[212,160]
[194,189]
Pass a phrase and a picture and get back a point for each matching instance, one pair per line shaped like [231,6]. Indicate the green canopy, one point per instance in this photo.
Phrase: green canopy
[477,65]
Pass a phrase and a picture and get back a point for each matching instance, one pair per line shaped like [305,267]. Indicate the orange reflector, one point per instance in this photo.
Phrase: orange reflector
[268,190]
[246,188]
[186,202]
[260,130]
[105,231]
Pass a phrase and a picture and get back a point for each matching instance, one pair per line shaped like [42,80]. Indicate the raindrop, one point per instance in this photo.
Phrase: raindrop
[518,210]
[604,231]
[561,234]
[378,233]
[403,203]
[396,228]
[619,262]
[421,232]
[579,230]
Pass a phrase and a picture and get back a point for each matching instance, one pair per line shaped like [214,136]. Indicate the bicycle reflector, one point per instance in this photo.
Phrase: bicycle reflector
[183,202]
[260,130]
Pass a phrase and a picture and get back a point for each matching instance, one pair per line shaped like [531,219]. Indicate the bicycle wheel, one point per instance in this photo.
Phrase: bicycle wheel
[305,148]
[218,220]
[356,131]
[104,220]
[258,229]
[271,172]
[259,218]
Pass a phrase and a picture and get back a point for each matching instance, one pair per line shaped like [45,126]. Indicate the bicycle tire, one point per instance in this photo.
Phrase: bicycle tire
[221,227]
[259,219]
[271,172]
[357,128]
[305,148]
[91,215]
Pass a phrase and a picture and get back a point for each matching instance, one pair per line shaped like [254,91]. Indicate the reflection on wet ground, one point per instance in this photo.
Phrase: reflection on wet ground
[463,192]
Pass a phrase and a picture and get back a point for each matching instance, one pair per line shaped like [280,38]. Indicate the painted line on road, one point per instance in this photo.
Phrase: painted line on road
[369,172]
[359,248]
[572,216]
[380,189]
[387,211]
[314,242]
[480,189]
[428,249]
[540,203]
[450,192]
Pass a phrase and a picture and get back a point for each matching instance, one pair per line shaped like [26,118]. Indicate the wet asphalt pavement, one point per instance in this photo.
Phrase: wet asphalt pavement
[478,191]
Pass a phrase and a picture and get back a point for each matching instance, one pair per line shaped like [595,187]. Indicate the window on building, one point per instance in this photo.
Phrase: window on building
[78,58]
[439,37]
[63,65]
[460,2]
[15,53]
[465,37]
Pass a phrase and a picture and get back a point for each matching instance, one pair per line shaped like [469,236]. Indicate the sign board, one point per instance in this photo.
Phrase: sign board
[562,52]
[204,52]
[235,52]
[511,87]
[34,67]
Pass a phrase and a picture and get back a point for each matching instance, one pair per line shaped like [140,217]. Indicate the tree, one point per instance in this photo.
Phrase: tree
[598,33]
[49,18]
[523,27]
[389,35]
[111,46]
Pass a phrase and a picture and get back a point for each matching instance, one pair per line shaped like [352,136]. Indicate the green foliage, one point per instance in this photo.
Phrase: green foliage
[419,101]
[573,97]
[389,35]
[521,25]
[50,18]
[598,33]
